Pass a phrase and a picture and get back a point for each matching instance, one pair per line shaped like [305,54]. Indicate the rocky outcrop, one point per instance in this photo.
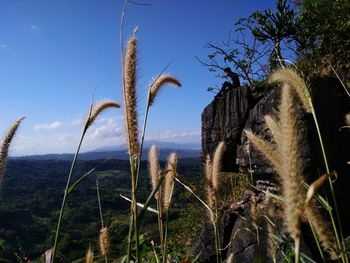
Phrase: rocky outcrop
[225,119]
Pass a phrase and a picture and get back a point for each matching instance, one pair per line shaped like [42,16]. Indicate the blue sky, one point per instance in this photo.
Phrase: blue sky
[55,53]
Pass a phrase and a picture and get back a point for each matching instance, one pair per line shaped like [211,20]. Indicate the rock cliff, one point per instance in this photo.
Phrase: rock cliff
[225,119]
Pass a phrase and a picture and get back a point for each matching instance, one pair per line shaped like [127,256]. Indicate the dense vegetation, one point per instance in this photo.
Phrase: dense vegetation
[30,202]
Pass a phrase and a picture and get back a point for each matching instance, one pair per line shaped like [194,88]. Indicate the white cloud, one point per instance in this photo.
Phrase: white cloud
[177,137]
[171,135]
[34,27]
[29,145]
[106,132]
[48,126]
[3,46]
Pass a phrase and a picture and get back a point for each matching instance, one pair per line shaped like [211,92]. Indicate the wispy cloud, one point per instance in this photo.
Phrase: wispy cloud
[107,128]
[106,132]
[3,46]
[171,135]
[48,126]
[33,27]
[178,137]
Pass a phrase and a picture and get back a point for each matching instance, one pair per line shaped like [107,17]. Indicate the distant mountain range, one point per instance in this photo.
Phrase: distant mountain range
[120,152]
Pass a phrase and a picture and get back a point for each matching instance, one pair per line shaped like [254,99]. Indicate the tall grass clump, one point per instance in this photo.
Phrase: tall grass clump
[286,159]
[291,77]
[6,141]
[92,115]
[164,192]
[132,132]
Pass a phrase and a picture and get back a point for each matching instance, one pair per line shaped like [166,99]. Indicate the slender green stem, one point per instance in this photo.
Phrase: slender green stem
[195,195]
[340,241]
[133,218]
[99,203]
[145,122]
[165,246]
[217,245]
[317,241]
[54,253]
[160,220]
[297,250]
[100,210]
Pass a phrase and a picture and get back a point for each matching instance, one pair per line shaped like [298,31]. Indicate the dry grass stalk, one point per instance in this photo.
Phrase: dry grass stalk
[323,231]
[154,170]
[163,80]
[89,257]
[286,75]
[169,180]
[130,97]
[97,109]
[6,145]
[217,165]
[104,241]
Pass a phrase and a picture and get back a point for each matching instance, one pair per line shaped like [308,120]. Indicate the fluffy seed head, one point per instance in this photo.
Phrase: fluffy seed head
[294,193]
[217,165]
[210,189]
[274,128]
[89,257]
[6,144]
[154,170]
[169,180]
[323,231]
[286,75]
[271,228]
[161,81]
[104,241]
[265,148]
[130,97]
[97,109]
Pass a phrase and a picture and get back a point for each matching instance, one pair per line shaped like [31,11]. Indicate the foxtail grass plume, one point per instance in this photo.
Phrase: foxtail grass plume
[265,148]
[97,109]
[286,159]
[271,228]
[160,82]
[210,189]
[154,170]
[6,144]
[130,96]
[274,128]
[217,165]
[89,257]
[323,231]
[293,190]
[286,75]
[169,180]
[104,241]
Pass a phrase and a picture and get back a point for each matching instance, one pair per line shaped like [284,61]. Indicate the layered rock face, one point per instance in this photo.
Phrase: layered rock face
[223,120]
[226,118]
